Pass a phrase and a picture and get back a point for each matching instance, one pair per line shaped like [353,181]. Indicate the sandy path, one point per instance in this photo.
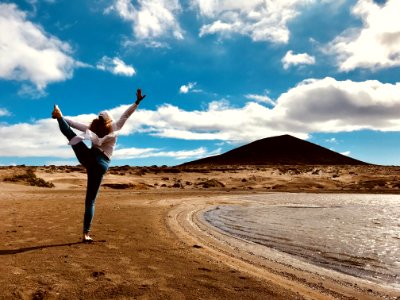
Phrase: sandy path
[136,255]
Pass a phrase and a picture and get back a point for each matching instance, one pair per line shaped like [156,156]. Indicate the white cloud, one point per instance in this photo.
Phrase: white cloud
[4,112]
[261,20]
[218,122]
[260,98]
[33,140]
[28,140]
[127,43]
[150,19]
[375,45]
[8,164]
[116,66]
[314,105]
[62,163]
[347,153]
[327,105]
[129,153]
[31,91]
[291,59]
[186,88]
[331,140]
[28,53]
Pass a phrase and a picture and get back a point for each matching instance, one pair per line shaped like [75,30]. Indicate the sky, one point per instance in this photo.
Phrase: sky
[217,74]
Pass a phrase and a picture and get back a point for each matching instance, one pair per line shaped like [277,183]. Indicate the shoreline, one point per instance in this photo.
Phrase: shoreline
[269,264]
[151,240]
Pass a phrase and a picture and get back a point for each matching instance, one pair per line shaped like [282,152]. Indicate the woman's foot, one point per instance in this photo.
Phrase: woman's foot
[56,114]
[87,238]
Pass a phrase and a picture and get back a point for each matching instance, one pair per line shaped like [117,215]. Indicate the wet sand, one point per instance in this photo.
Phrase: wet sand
[303,278]
[150,244]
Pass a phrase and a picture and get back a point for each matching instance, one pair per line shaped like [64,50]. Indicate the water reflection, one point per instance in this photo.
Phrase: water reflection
[354,234]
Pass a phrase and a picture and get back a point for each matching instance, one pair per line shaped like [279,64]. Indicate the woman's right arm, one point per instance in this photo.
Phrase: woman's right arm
[125,116]
[77,125]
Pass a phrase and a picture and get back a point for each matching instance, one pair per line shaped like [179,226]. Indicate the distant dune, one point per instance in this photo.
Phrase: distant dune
[278,150]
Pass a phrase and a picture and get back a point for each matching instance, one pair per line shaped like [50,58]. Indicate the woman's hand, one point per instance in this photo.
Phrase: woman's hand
[139,96]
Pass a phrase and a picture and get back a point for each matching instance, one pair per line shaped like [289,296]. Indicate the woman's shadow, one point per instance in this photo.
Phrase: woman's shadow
[26,249]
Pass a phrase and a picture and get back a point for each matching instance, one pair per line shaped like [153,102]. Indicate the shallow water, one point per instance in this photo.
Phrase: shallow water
[354,234]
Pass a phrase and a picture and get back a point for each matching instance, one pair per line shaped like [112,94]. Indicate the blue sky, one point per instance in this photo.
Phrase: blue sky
[217,74]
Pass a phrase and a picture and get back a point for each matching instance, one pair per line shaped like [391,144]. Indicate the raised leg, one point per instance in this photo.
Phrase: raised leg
[82,152]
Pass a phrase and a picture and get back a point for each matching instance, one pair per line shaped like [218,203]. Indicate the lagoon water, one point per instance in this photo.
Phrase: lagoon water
[350,233]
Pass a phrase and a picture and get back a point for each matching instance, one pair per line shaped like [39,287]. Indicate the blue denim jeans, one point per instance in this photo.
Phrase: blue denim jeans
[96,164]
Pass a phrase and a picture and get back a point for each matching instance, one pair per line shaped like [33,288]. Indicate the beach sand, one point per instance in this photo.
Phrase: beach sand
[150,241]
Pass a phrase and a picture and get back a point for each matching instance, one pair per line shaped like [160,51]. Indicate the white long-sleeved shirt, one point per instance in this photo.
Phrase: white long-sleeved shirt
[107,143]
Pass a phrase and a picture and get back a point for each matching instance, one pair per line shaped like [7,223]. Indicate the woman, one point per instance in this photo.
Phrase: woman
[103,132]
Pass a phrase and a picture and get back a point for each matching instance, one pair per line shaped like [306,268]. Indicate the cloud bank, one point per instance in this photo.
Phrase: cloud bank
[315,105]
[129,153]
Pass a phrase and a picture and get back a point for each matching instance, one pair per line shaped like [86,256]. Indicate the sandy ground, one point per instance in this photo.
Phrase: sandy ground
[151,242]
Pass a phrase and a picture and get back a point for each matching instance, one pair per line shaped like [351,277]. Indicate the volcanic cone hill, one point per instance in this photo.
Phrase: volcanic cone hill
[278,150]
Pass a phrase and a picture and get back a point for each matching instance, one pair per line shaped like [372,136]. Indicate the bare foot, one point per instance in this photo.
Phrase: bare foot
[87,238]
[56,114]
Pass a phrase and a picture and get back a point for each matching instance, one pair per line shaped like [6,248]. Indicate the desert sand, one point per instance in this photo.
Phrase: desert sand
[150,239]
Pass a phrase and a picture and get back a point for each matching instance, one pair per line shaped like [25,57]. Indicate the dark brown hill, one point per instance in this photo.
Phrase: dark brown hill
[278,150]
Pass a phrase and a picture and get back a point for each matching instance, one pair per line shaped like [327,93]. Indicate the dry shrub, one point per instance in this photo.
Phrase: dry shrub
[396,185]
[118,186]
[289,170]
[30,178]
[213,183]
[177,185]
[171,170]
[373,183]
